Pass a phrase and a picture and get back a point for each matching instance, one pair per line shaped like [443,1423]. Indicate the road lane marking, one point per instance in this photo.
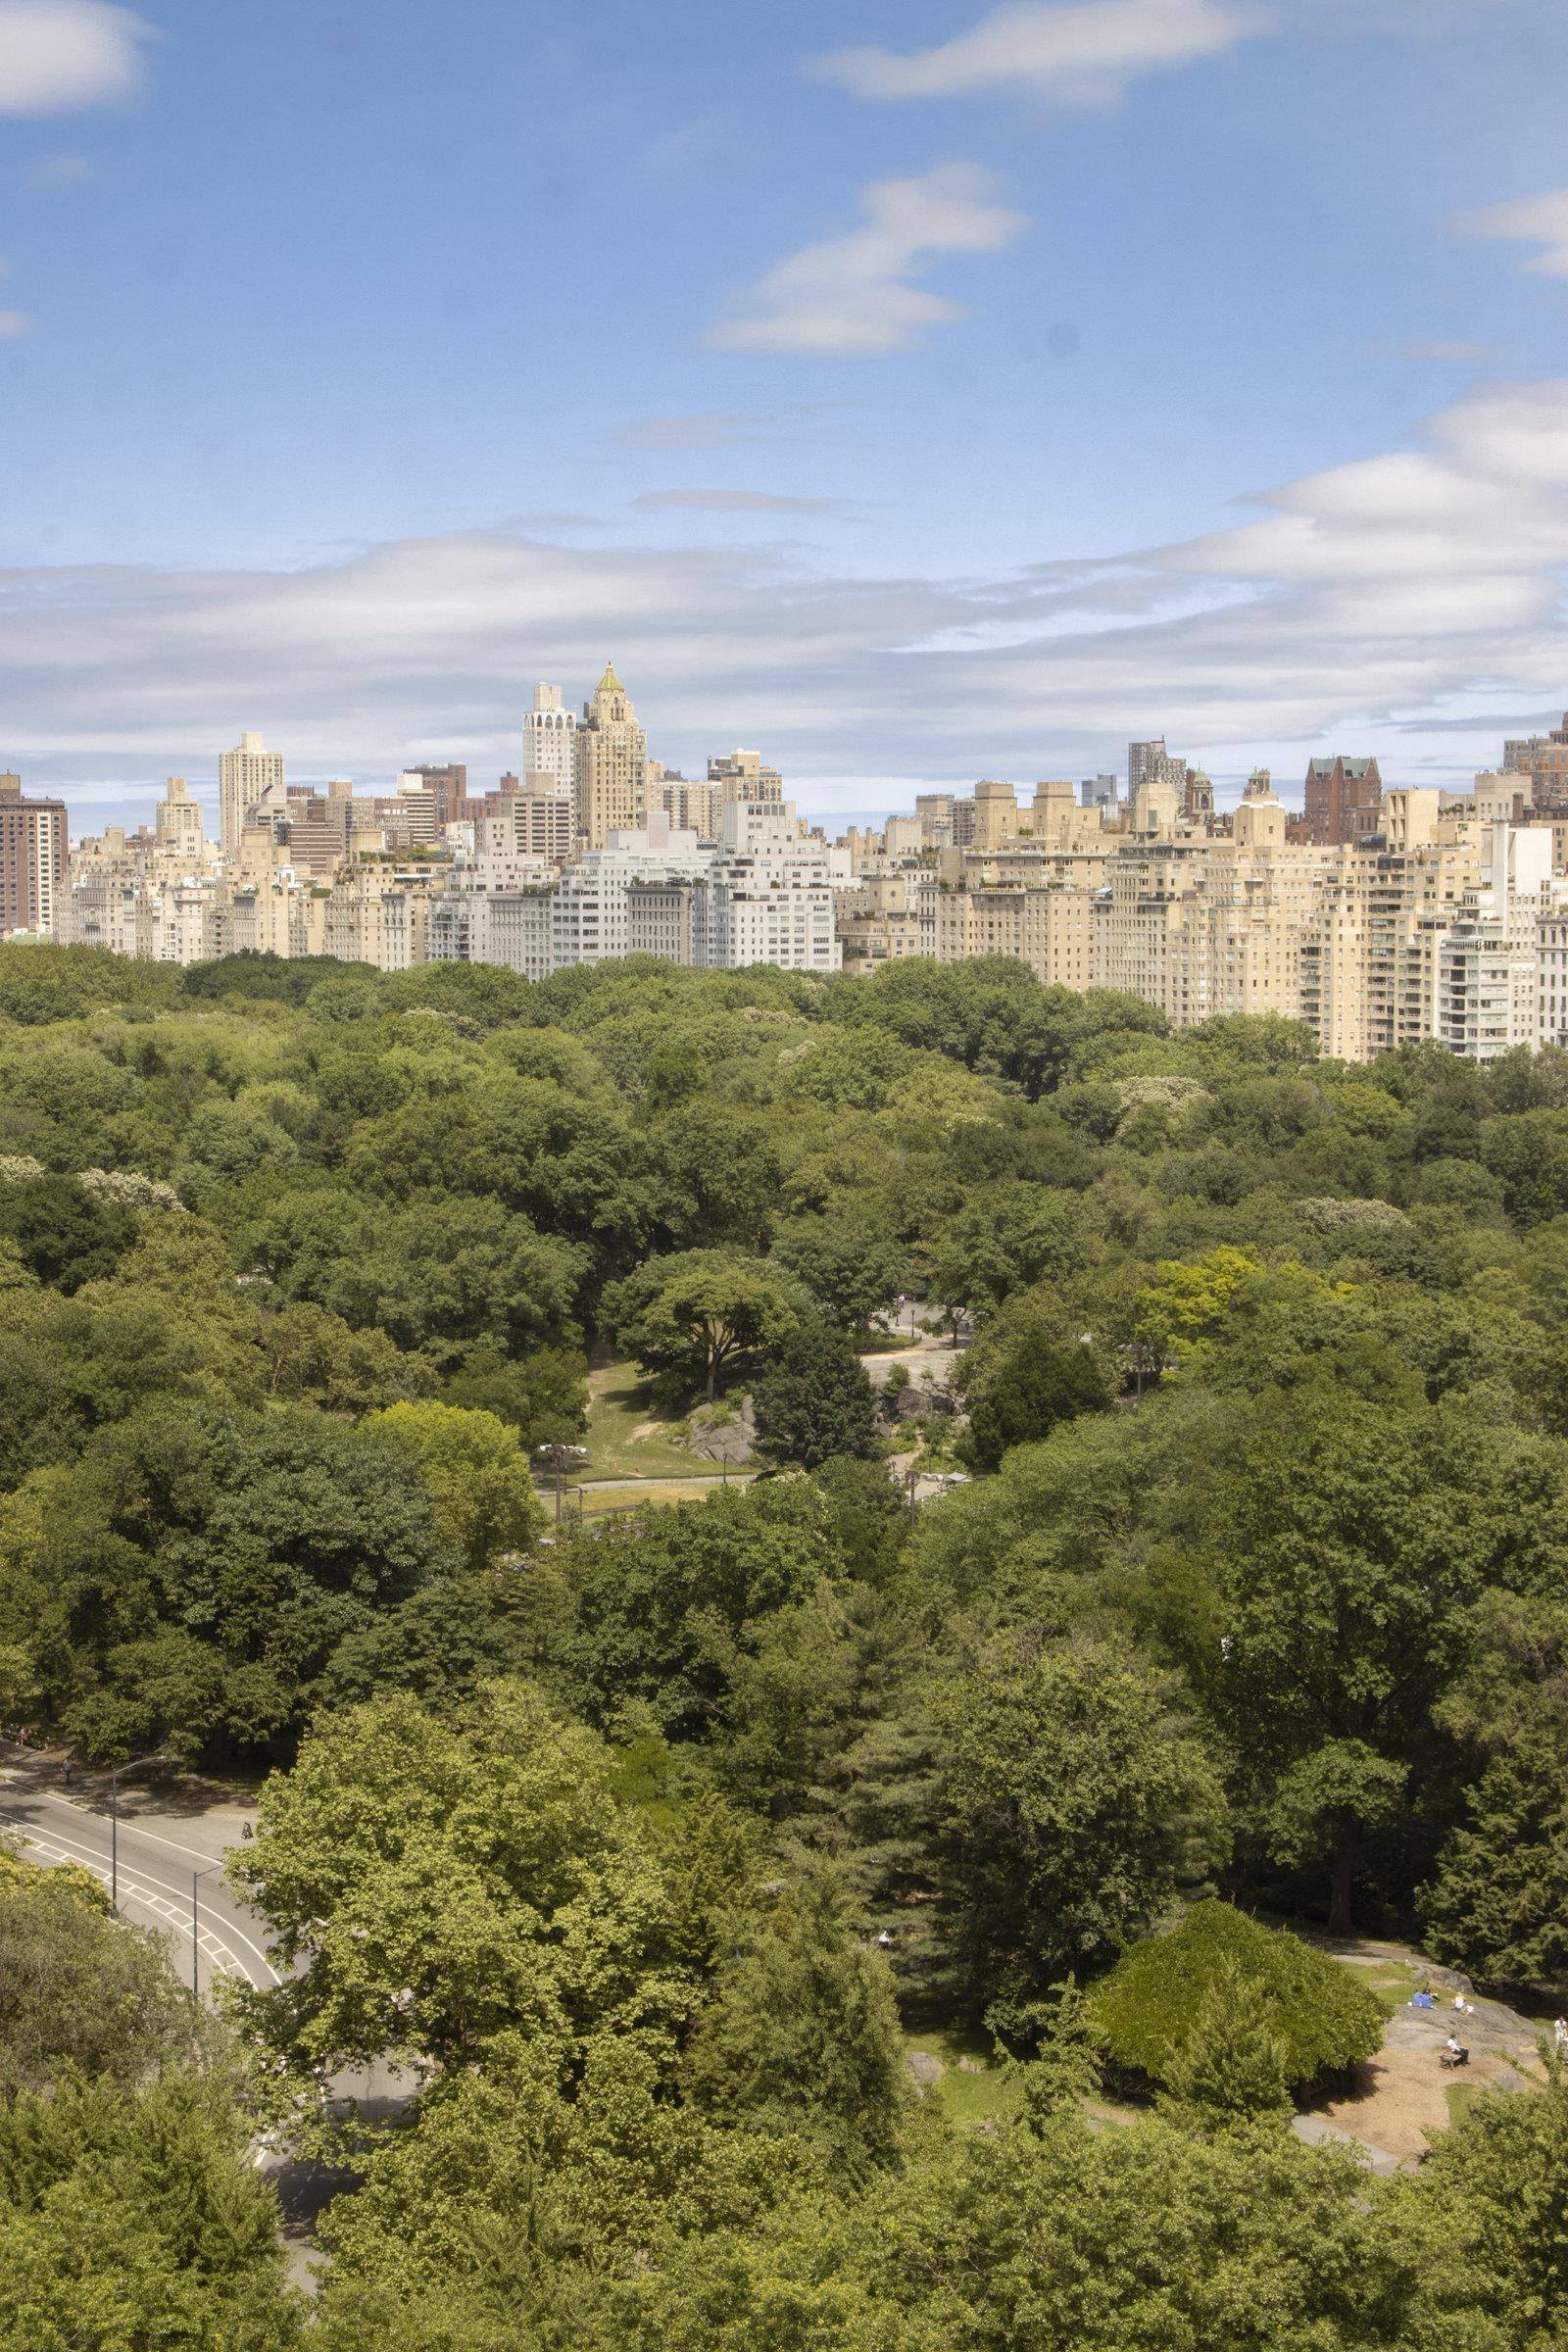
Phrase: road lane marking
[177,1902]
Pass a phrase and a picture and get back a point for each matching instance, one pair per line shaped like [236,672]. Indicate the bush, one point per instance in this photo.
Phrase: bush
[1150,2003]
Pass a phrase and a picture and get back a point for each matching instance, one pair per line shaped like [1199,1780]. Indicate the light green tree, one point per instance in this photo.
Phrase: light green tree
[433,1884]
[482,1491]
[1233,2067]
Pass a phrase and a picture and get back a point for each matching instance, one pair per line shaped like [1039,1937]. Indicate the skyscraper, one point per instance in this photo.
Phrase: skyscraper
[179,821]
[742,776]
[610,764]
[548,734]
[33,846]
[243,775]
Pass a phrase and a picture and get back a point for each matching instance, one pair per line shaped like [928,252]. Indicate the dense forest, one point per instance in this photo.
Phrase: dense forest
[645,1842]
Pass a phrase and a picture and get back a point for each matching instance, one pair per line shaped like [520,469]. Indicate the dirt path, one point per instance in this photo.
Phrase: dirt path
[1399,2101]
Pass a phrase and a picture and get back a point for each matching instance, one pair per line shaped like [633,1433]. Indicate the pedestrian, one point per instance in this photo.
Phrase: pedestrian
[1559,2035]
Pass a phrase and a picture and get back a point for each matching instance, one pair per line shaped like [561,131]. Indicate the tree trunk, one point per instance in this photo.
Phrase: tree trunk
[712,1372]
[1340,1882]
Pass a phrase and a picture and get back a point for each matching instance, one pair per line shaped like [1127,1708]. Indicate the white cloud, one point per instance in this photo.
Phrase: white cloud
[60,54]
[1369,603]
[1527,220]
[731,501]
[1076,55]
[853,295]
[13,324]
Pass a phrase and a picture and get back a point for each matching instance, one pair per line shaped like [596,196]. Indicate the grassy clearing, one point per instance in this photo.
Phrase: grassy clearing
[597,1501]
[1391,1980]
[970,2094]
[629,1434]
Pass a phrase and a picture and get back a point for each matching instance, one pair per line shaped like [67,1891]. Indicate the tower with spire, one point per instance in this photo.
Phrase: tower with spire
[611,754]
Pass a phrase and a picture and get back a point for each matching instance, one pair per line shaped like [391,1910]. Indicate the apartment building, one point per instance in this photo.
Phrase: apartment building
[243,775]
[548,742]
[34,851]
[610,757]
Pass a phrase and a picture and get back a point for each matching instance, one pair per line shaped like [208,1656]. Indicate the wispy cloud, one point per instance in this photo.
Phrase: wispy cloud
[854,296]
[709,428]
[57,55]
[732,501]
[1527,220]
[13,324]
[1441,349]
[1075,55]
[53,172]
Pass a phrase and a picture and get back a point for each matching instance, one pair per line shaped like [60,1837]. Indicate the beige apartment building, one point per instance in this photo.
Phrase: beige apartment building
[611,754]
[1049,930]
[244,774]
[374,914]
[879,918]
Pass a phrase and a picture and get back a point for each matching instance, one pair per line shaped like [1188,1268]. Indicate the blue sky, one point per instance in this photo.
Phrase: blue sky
[918,391]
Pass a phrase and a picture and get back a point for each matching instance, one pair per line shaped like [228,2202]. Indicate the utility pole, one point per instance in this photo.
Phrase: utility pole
[196,1878]
[115,1772]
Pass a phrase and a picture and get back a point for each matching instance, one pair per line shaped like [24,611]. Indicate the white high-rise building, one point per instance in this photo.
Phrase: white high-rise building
[548,733]
[769,895]
[243,775]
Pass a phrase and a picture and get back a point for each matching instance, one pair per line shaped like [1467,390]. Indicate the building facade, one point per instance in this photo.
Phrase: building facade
[243,775]
[610,765]
[34,853]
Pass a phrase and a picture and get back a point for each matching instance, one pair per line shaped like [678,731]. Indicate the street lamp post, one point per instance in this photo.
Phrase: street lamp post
[196,1878]
[115,1772]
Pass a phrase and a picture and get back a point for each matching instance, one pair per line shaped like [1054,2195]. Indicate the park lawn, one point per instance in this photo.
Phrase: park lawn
[974,2095]
[596,1501]
[628,1434]
[1391,1980]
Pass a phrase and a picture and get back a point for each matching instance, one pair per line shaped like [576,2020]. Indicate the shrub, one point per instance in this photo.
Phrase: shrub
[1150,2003]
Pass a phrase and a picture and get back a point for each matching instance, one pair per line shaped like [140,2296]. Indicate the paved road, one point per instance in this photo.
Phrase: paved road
[156,1864]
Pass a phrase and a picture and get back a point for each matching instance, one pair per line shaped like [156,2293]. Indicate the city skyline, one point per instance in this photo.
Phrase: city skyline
[1046,376]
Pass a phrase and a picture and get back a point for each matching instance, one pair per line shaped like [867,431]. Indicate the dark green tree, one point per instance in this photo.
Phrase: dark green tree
[1025,1391]
[814,1400]
[802,2033]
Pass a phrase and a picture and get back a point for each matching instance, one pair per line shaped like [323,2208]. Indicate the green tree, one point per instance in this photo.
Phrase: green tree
[665,1600]
[800,2035]
[702,1315]
[1232,2067]
[1077,1800]
[79,1993]
[130,2223]
[1348,1545]
[1009,1236]
[481,1489]
[66,1235]
[814,1400]
[1485,2224]
[435,1884]
[543,1395]
[1324,2019]
[197,1570]
[1025,1391]
[851,1265]
[1498,1900]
